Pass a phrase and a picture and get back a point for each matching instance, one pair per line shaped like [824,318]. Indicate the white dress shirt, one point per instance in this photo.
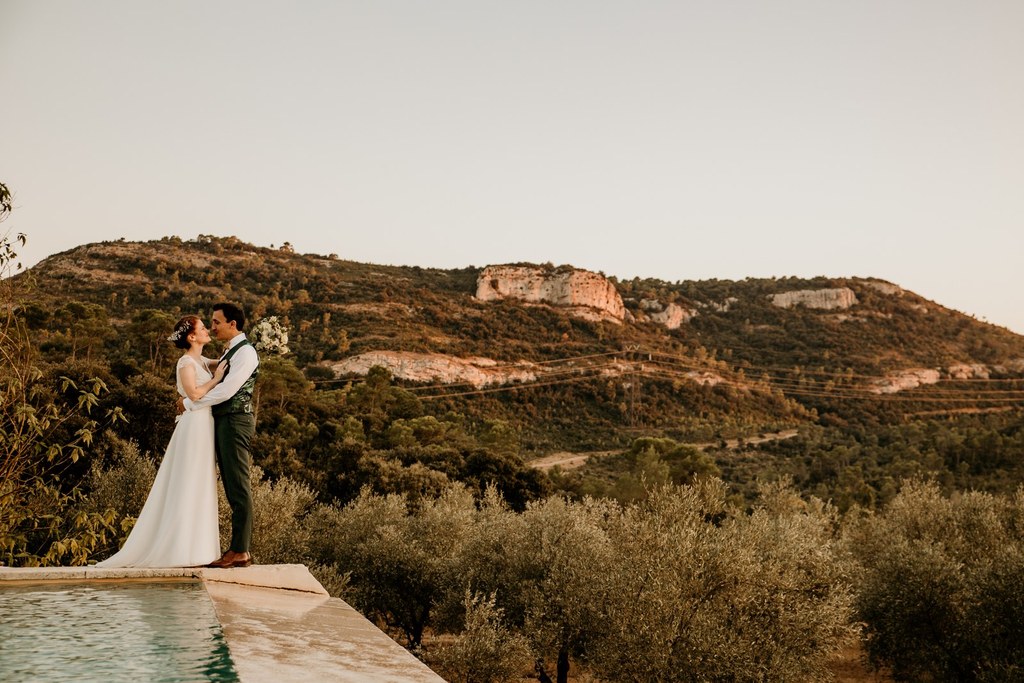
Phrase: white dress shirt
[243,364]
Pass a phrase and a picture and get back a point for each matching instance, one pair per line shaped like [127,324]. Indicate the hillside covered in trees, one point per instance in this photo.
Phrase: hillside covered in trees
[757,505]
[739,367]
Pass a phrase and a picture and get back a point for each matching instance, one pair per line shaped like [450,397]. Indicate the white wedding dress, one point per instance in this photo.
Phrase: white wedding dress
[178,524]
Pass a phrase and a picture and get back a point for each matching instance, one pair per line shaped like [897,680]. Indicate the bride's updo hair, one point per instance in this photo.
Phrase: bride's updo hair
[183,328]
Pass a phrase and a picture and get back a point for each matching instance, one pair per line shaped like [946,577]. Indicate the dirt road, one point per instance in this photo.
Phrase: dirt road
[571,461]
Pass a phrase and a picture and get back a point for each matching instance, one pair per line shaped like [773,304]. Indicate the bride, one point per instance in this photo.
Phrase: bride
[178,524]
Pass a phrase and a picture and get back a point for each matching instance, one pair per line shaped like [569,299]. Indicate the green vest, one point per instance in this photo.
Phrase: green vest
[241,402]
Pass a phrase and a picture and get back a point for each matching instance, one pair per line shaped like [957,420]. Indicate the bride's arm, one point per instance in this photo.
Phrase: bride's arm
[210,363]
[188,381]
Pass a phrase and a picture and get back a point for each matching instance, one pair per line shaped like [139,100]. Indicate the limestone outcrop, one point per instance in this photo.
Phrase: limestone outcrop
[669,315]
[435,367]
[720,306]
[482,372]
[968,371]
[705,378]
[586,294]
[883,287]
[828,299]
[914,378]
[908,379]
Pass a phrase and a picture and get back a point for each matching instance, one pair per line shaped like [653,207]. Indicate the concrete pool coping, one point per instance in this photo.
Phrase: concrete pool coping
[279,623]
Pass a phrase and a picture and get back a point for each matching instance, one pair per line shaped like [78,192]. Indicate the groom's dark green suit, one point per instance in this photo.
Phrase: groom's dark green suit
[234,426]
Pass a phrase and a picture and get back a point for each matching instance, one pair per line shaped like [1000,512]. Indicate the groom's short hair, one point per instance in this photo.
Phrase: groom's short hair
[232,312]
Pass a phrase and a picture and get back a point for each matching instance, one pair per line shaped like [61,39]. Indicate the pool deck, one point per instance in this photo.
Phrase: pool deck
[279,622]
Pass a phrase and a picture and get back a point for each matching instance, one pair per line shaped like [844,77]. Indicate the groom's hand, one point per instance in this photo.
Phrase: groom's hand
[181,405]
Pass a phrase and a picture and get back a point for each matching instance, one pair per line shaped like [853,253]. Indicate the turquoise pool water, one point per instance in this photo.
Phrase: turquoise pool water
[111,632]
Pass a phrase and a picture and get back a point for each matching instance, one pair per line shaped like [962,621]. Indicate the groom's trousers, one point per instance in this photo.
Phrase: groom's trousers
[233,434]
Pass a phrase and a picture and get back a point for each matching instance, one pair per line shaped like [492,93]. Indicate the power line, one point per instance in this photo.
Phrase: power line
[849,395]
[803,370]
[803,385]
[816,389]
[799,383]
[517,387]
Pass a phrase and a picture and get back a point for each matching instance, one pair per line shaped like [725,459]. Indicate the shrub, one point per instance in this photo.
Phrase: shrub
[544,567]
[279,533]
[700,592]
[119,490]
[122,486]
[487,651]
[44,432]
[401,561]
[940,584]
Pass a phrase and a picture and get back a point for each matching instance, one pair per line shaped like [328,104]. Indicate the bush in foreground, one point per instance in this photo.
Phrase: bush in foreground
[941,585]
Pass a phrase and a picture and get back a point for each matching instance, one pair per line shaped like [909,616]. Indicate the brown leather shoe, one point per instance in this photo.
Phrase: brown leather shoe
[242,563]
[225,561]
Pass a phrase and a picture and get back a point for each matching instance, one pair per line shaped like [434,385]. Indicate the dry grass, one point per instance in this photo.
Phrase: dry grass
[850,666]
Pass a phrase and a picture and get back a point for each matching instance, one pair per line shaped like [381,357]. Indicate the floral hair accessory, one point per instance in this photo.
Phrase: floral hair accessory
[179,331]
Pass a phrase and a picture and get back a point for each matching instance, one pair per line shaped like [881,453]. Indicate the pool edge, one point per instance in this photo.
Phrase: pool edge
[279,623]
[293,577]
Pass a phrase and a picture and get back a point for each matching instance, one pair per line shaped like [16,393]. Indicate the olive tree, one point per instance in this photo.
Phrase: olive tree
[401,561]
[941,584]
[544,566]
[700,592]
[486,651]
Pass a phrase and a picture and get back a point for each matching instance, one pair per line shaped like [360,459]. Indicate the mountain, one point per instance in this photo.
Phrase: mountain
[572,360]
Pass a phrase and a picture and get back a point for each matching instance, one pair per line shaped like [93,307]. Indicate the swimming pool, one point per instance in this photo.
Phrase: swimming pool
[110,632]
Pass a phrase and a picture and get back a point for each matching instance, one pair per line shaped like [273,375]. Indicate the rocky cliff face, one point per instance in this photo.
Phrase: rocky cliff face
[587,294]
[828,299]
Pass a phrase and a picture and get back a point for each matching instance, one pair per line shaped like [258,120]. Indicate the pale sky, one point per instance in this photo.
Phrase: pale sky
[681,140]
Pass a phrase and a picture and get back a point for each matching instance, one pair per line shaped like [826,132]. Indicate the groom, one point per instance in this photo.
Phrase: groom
[234,425]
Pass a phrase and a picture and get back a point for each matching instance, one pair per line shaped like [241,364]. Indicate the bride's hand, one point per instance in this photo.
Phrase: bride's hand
[218,374]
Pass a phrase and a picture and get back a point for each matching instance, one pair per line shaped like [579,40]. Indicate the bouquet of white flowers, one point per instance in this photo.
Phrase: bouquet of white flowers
[269,336]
